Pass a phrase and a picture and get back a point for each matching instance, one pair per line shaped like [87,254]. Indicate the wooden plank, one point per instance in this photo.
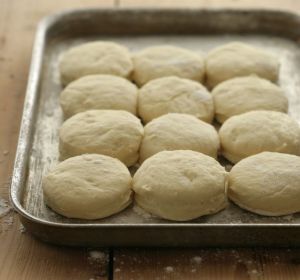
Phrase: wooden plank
[21,256]
[189,264]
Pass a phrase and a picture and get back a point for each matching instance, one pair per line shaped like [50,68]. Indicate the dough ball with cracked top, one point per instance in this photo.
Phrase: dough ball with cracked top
[165,60]
[88,187]
[259,131]
[97,57]
[109,132]
[99,92]
[239,59]
[267,184]
[179,132]
[244,94]
[180,185]
[175,95]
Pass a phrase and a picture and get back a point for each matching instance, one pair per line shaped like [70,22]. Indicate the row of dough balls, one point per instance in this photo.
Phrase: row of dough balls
[120,134]
[223,63]
[176,185]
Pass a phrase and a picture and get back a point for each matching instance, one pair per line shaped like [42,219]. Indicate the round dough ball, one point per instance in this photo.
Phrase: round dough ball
[161,61]
[266,184]
[259,131]
[179,132]
[175,95]
[239,59]
[109,132]
[244,94]
[88,187]
[180,185]
[99,92]
[95,58]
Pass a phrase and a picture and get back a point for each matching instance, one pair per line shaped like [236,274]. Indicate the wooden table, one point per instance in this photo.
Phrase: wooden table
[23,257]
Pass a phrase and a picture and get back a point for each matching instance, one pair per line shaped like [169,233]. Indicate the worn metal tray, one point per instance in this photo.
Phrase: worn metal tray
[200,30]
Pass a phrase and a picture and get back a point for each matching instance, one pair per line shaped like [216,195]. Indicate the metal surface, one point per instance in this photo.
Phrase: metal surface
[199,30]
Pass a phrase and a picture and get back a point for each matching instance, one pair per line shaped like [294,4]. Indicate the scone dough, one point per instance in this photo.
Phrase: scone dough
[175,95]
[259,131]
[179,132]
[180,185]
[244,94]
[266,184]
[161,61]
[88,187]
[238,59]
[98,92]
[95,58]
[109,132]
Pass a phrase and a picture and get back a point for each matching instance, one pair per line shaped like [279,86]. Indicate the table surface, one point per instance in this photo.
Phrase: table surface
[23,257]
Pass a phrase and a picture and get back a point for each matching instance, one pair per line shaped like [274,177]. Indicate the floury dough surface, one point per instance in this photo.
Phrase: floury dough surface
[180,185]
[175,95]
[109,132]
[267,184]
[88,187]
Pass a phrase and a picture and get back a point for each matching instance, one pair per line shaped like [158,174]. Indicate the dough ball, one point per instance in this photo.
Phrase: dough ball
[175,95]
[109,132]
[180,185]
[259,131]
[179,132]
[99,92]
[244,94]
[88,187]
[95,58]
[161,61]
[266,184]
[239,59]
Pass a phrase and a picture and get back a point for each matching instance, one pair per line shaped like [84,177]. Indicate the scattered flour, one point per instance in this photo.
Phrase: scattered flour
[117,270]
[97,257]
[4,208]
[169,269]
[141,212]
[196,260]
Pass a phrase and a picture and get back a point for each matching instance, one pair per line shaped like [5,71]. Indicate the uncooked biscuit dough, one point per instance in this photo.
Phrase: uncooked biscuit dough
[266,184]
[238,59]
[109,132]
[180,185]
[175,95]
[161,61]
[259,131]
[98,92]
[179,132]
[244,94]
[95,58]
[88,187]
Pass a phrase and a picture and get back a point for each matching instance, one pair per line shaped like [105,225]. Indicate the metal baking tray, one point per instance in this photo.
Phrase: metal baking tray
[196,29]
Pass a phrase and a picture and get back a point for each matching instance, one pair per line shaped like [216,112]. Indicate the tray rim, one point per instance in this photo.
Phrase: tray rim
[27,121]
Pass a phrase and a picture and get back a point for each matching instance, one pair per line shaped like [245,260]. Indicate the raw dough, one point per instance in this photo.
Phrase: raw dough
[259,131]
[179,132]
[88,187]
[238,59]
[99,92]
[109,132]
[266,184]
[95,58]
[244,94]
[161,61]
[175,95]
[180,185]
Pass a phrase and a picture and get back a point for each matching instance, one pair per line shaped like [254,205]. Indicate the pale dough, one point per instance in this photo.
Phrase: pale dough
[266,184]
[161,61]
[259,131]
[88,187]
[175,95]
[179,132]
[95,58]
[180,185]
[238,59]
[244,94]
[99,92]
[109,132]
